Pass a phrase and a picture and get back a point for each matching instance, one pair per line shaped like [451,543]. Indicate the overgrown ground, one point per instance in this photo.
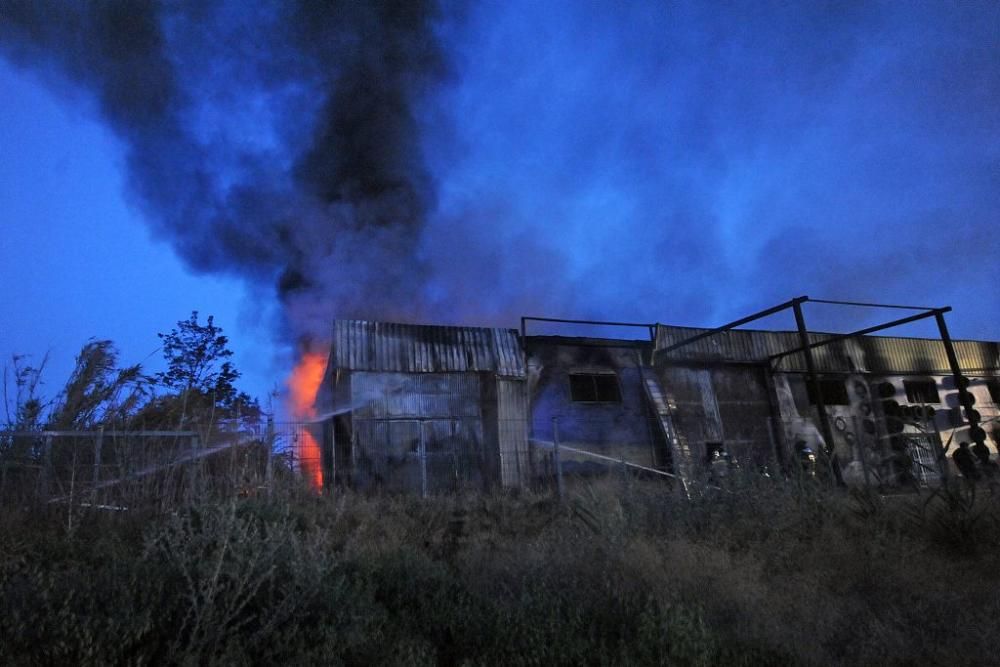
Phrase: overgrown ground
[618,573]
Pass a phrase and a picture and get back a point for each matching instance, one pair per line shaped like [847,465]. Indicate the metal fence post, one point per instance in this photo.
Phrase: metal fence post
[46,466]
[456,473]
[354,454]
[517,464]
[269,463]
[98,446]
[4,461]
[330,483]
[774,457]
[555,456]
[423,461]
[196,468]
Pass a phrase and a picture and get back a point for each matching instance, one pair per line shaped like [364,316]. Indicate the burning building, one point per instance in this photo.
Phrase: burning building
[424,408]
[433,408]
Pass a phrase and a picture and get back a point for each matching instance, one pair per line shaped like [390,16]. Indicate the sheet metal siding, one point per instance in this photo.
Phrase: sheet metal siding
[404,395]
[868,354]
[513,401]
[386,347]
[396,411]
[388,454]
[512,417]
[742,400]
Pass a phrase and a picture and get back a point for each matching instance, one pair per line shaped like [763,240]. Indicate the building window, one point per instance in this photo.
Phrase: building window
[594,388]
[994,387]
[834,392]
[921,391]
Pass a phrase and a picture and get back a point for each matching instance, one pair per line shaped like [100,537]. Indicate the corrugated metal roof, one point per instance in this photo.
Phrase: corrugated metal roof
[870,354]
[382,346]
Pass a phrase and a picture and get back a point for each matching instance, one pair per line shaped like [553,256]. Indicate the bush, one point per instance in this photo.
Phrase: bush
[633,574]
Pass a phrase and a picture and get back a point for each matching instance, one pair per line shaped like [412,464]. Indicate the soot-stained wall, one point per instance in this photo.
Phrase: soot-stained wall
[877,413]
[615,428]
[727,404]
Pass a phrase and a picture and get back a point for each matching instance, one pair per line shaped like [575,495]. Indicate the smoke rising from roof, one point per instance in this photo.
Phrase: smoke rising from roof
[279,143]
[693,163]
[643,161]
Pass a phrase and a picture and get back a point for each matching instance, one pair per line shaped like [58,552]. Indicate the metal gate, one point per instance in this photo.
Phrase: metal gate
[418,455]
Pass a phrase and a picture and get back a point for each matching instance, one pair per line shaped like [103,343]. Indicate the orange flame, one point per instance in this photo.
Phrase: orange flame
[302,388]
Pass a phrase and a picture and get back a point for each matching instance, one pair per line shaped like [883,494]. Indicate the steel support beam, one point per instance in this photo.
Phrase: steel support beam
[966,410]
[794,303]
[824,421]
[870,305]
[860,332]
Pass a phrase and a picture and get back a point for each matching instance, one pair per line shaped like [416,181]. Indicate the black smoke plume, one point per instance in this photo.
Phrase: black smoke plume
[278,143]
[632,161]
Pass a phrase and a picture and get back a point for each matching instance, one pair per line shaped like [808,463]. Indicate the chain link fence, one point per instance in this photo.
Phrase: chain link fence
[114,469]
[117,469]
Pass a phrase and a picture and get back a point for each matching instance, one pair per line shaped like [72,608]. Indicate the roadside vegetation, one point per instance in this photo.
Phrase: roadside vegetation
[234,561]
[620,572]
[196,389]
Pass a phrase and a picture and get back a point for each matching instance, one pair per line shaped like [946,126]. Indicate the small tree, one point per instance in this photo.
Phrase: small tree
[196,357]
[199,371]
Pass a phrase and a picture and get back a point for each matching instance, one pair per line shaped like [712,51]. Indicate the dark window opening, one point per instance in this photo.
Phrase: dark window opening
[834,392]
[921,391]
[994,387]
[594,388]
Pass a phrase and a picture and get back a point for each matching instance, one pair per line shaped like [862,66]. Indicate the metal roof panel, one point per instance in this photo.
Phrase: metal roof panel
[391,347]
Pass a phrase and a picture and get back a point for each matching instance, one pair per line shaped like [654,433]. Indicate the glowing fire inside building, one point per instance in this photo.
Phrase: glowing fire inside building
[302,387]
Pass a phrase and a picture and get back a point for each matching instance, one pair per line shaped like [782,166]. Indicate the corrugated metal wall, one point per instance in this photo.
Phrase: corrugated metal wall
[722,404]
[398,395]
[512,418]
[417,432]
[742,397]
[696,415]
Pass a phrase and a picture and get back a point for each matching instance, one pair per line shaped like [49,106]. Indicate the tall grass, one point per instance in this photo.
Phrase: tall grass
[763,572]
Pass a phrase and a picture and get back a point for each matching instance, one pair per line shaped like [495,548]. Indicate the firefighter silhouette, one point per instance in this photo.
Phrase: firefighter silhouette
[965,462]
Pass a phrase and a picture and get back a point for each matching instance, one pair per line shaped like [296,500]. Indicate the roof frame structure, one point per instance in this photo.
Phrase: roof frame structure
[806,347]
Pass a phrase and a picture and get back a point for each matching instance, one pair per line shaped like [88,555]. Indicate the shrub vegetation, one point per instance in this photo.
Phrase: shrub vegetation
[619,572]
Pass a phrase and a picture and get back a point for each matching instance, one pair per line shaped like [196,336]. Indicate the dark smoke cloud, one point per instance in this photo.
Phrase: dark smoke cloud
[686,163]
[692,162]
[278,143]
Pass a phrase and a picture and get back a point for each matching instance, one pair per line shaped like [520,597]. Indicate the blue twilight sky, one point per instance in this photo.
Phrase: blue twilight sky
[681,162]
[76,260]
